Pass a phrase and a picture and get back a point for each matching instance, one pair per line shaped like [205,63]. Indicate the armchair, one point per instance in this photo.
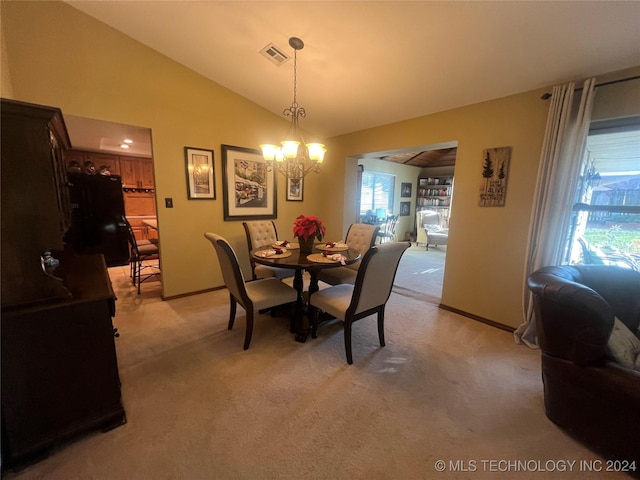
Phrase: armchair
[429,229]
[586,391]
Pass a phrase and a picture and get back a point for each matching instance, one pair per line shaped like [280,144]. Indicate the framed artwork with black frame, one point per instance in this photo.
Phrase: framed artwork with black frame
[405,190]
[405,208]
[295,189]
[249,187]
[201,179]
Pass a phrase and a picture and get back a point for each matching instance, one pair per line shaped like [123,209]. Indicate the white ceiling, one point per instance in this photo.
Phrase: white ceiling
[375,62]
[98,135]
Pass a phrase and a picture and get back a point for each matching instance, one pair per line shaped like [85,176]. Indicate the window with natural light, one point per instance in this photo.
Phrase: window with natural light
[376,196]
[605,225]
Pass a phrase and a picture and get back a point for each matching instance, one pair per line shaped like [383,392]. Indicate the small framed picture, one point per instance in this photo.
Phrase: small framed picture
[200,173]
[405,190]
[295,189]
[405,208]
[249,186]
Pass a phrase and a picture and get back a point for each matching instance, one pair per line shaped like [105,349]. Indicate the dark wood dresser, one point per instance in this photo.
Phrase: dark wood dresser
[59,370]
[59,367]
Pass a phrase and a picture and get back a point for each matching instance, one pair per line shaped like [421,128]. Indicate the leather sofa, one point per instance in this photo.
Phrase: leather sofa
[586,392]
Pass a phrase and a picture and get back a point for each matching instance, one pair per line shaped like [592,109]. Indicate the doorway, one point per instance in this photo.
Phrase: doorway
[110,149]
[421,270]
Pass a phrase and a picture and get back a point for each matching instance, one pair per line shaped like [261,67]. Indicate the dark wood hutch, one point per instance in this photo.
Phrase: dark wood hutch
[59,367]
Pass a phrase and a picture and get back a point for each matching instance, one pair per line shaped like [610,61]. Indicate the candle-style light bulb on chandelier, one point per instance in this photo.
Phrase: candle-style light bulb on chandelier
[295,158]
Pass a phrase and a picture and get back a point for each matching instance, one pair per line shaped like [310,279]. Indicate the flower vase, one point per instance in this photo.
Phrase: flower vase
[306,246]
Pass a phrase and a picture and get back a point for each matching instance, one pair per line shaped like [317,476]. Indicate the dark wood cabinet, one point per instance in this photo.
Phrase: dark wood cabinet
[36,210]
[59,368]
[59,371]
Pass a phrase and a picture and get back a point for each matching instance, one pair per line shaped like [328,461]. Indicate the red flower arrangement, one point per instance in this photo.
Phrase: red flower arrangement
[307,227]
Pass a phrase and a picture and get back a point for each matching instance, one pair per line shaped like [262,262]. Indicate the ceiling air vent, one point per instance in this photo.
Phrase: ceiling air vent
[275,54]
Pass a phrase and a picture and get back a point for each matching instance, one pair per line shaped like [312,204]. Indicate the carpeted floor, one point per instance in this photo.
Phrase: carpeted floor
[420,273]
[445,388]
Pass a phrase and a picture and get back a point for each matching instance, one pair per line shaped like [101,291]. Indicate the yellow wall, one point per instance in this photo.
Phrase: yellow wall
[485,267]
[6,89]
[61,57]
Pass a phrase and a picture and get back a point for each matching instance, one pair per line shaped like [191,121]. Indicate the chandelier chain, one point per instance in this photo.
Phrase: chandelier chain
[298,158]
[295,77]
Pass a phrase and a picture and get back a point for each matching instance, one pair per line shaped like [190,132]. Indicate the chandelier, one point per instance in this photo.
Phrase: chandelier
[295,158]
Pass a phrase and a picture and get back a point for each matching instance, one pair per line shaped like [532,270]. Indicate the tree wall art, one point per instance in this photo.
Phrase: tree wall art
[495,171]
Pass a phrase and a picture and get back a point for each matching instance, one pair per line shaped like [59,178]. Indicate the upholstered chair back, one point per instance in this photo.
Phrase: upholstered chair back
[263,232]
[231,272]
[575,307]
[260,232]
[375,277]
[361,236]
[427,217]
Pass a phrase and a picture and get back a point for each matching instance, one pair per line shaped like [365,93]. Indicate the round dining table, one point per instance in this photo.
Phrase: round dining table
[301,262]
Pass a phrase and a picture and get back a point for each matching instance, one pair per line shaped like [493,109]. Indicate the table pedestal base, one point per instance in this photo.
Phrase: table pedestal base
[303,309]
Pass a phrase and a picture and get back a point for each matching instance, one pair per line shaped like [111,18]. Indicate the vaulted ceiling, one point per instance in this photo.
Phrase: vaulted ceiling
[370,63]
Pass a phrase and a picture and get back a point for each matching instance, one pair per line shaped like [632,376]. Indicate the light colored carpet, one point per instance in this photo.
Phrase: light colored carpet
[199,407]
[420,273]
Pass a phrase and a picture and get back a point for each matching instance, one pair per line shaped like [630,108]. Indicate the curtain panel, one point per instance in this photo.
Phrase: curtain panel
[562,152]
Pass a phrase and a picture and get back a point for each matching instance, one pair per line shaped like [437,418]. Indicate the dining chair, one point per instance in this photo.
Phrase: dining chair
[388,231]
[139,254]
[263,233]
[369,295]
[254,295]
[361,237]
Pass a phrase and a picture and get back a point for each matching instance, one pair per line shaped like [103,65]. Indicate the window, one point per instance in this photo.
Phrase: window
[376,195]
[605,224]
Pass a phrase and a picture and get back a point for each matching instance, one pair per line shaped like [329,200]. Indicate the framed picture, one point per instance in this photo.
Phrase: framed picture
[295,189]
[249,189]
[405,208]
[495,170]
[200,173]
[405,190]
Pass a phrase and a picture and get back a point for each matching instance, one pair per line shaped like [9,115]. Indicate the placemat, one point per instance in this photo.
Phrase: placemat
[319,258]
[271,254]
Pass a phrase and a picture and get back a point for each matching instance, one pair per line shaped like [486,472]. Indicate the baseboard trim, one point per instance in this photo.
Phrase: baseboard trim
[182,295]
[477,318]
